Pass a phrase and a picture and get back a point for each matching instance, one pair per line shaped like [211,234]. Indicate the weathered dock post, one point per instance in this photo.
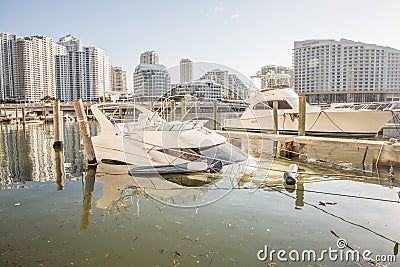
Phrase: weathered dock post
[84,132]
[364,156]
[16,116]
[302,116]
[23,115]
[183,108]
[214,118]
[119,111]
[44,114]
[276,129]
[58,135]
[172,108]
[275,110]
[59,155]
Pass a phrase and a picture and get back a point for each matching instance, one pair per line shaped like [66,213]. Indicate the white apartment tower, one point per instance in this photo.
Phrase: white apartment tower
[207,89]
[149,57]
[72,43]
[118,80]
[9,82]
[83,75]
[151,81]
[345,71]
[186,70]
[232,86]
[27,67]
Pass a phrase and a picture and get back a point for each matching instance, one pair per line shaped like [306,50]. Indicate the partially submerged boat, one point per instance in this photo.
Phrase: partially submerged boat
[363,120]
[149,144]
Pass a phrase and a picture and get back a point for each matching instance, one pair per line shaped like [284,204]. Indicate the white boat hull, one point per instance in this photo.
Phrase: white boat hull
[356,123]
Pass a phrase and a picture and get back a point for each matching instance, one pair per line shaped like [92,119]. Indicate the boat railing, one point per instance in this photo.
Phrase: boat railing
[373,106]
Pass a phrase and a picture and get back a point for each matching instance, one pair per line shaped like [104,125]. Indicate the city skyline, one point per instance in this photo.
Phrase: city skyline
[243,36]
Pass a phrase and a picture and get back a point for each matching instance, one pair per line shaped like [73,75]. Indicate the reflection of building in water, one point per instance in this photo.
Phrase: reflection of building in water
[71,149]
[40,154]
[13,155]
[29,156]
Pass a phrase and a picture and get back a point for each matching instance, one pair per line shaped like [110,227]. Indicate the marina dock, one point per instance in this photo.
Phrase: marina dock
[376,152]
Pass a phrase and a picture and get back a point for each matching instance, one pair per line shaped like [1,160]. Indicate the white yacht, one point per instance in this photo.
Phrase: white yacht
[149,144]
[361,120]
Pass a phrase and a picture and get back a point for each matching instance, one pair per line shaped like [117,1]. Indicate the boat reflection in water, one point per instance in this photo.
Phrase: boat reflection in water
[152,148]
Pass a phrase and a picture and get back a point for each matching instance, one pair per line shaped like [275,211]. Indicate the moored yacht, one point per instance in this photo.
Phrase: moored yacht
[147,143]
[346,120]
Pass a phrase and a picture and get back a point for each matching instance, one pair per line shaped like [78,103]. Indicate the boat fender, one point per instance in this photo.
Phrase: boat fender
[289,180]
[215,166]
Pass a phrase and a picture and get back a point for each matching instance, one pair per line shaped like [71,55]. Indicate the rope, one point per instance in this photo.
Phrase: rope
[338,217]
[336,194]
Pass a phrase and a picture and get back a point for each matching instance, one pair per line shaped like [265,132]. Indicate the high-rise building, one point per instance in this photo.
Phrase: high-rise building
[232,86]
[186,70]
[9,82]
[27,67]
[345,71]
[149,57]
[151,81]
[72,43]
[83,75]
[118,80]
[207,89]
[276,80]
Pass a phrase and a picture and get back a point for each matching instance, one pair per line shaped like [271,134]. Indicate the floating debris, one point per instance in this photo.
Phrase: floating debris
[324,203]
[17,204]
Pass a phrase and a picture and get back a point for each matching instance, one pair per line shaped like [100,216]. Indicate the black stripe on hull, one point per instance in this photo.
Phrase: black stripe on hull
[308,133]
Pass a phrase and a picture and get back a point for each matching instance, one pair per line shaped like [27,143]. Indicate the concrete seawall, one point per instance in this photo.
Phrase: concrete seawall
[382,153]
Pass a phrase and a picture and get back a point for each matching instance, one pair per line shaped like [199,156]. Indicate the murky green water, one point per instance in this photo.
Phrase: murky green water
[103,220]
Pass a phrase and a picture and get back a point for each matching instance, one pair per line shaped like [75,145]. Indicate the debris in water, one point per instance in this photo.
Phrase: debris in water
[324,203]
[190,239]
[17,204]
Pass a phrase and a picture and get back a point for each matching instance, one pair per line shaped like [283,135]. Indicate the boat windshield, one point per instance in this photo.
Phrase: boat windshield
[226,153]
[261,106]
[282,104]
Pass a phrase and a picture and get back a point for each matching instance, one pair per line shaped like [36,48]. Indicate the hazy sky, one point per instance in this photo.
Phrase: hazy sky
[243,35]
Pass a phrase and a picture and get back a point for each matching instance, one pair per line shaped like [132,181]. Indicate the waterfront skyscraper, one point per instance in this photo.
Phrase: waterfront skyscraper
[345,71]
[207,89]
[151,81]
[27,72]
[9,82]
[233,87]
[186,70]
[83,75]
[72,43]
[118,80]
[149,57]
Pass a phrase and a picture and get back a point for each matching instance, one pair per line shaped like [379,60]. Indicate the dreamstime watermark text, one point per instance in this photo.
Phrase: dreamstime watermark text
[340,253]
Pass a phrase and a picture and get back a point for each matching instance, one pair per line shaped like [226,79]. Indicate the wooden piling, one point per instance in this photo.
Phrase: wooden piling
[60,174]
[214,118]
[84,132]
[119,111]
[302,116]
[58,135]
[364,156]
[275,111]
[172,108]
[183,109]
[23,115]
[44,114]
